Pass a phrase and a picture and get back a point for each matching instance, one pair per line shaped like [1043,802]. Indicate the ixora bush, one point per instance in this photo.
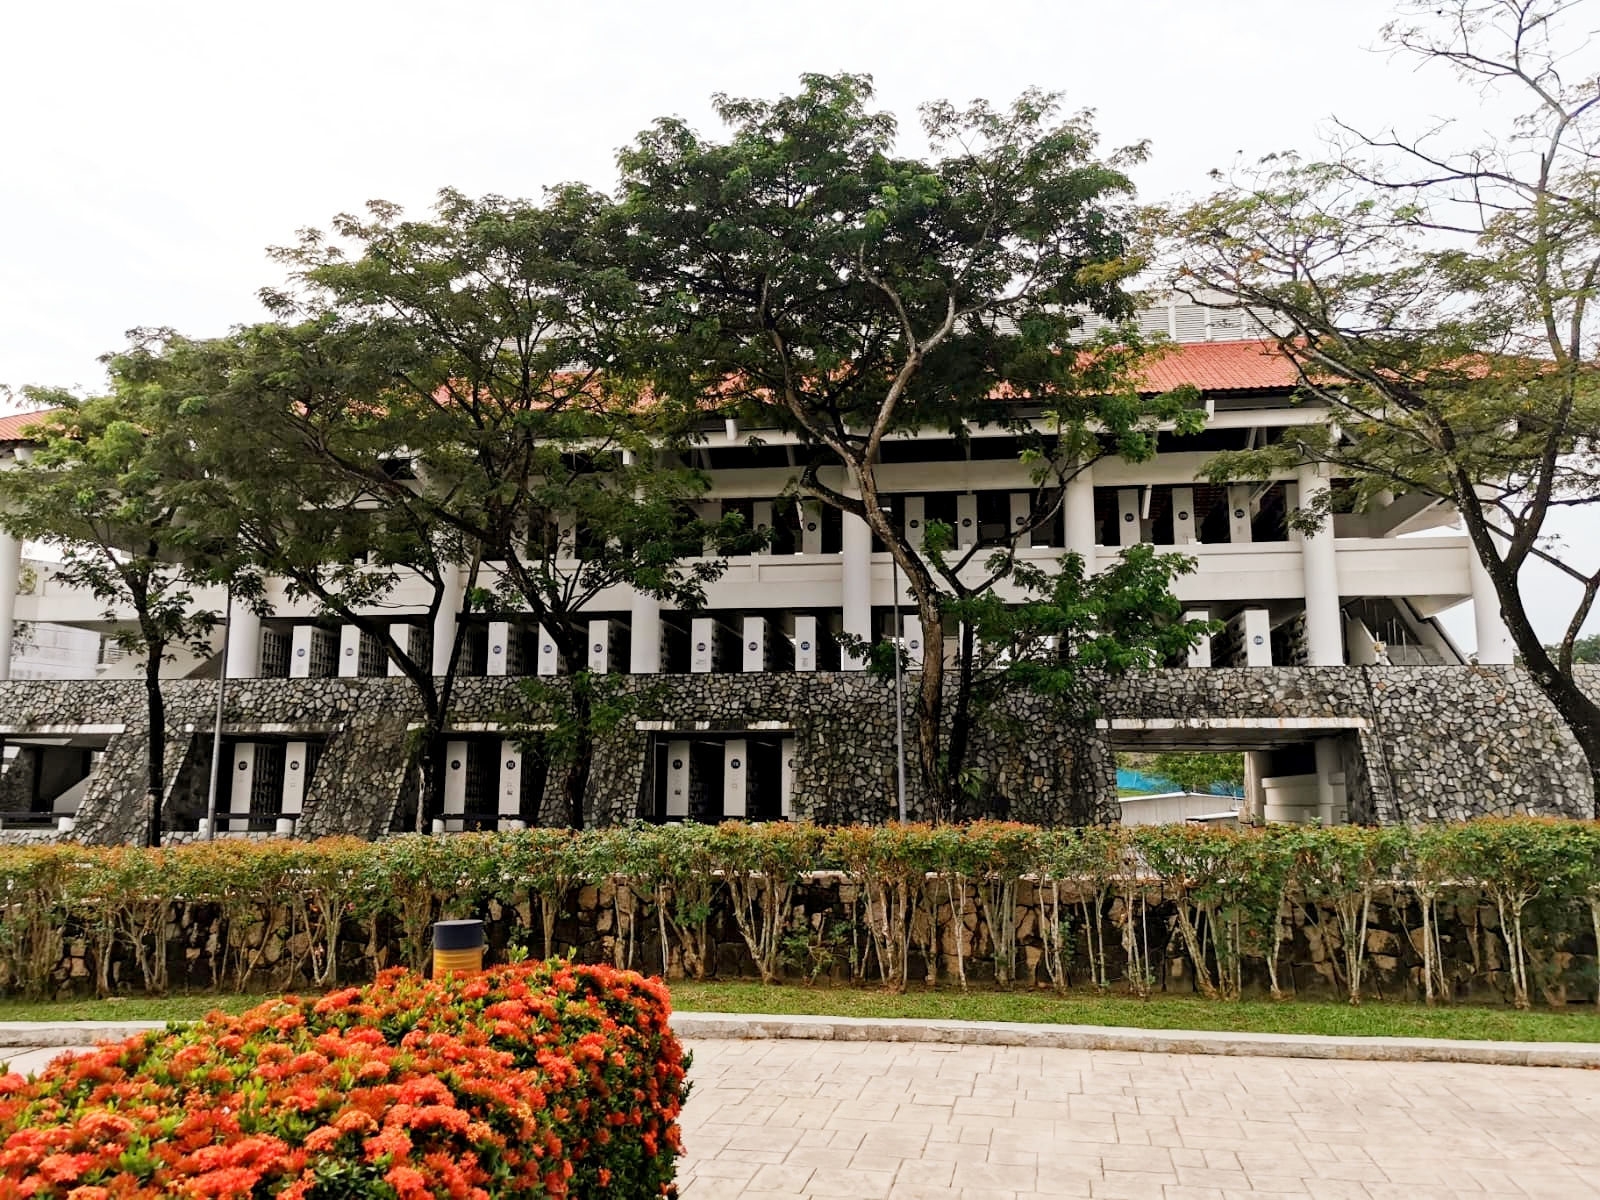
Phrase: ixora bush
[541,1080]
[1491,908]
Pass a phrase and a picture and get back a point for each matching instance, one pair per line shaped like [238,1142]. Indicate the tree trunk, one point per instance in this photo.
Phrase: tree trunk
[156,776]
[960,727]
[575,781]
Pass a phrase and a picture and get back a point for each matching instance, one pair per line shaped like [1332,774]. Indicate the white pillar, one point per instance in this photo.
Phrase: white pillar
[735,776]
[911,639]
[455,786]
[966,520]
[1331,799]
[1130,531]
[404,636]
[600,646]
[677,781]
[300,651]
[916,520]
[10,580]
[1320,567]
[1183,516]
[296,758]
[805,643]
[1495,647]
[856,598]
[1200,652]
[754,655]
[349,652]
[786,787]
[644,652]
[510,807]
[244,642]
[811,527]
[500,647]
[1021,510]
[549,659]
[244,782]
[444,624]
[1081,536]
[1239,528]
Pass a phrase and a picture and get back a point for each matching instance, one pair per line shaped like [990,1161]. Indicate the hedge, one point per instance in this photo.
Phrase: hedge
[1109,905]
[529,1081]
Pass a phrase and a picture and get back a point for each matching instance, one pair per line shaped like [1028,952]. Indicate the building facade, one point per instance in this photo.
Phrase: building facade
[1363,592]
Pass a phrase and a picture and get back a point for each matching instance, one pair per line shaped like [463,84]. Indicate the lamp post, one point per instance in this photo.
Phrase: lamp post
[899,689]
[216,729]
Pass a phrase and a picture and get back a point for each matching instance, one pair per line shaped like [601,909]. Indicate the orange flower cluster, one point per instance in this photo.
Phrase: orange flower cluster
[545,1079]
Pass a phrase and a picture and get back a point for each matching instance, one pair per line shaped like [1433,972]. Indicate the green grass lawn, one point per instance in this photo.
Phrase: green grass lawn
[1373,1019]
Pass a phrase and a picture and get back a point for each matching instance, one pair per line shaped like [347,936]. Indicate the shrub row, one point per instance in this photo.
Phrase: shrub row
[529,1081]
[1222,898]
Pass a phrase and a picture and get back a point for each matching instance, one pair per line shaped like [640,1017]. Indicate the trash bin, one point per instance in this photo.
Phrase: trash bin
[457,948]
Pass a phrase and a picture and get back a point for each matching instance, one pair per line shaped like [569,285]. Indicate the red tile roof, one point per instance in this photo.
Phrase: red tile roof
[11,427]
[1222,367]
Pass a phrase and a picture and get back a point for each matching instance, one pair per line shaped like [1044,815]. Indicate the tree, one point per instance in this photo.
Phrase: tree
[1070,630]
[1437,295]
[801,275]
[265,414]
[478,341]
[98,487]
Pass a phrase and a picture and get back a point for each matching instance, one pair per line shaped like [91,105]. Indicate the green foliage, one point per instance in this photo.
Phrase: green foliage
[1439,304]
[1191,770]
[803,274]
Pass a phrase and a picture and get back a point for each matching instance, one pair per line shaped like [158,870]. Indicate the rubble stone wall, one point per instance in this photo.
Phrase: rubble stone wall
[1418,743]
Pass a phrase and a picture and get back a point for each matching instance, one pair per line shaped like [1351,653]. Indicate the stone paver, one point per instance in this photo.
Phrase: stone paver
[778,1120]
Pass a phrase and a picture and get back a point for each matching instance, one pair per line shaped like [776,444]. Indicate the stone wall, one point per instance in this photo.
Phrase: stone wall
[828,942]
[1418,743]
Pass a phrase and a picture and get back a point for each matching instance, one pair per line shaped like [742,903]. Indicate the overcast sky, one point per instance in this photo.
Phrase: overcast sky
[152,150]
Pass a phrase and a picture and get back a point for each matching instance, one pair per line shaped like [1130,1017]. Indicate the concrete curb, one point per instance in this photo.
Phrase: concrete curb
[1140,1041]
[755,1026]
[70,1033]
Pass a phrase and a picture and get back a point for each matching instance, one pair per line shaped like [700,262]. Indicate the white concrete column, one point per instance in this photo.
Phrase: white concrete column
[510,806]
[677,781]
[786,787]
[966,520]
[1183,533]
[600,646]
[349,652]
[1129,528]
[444,623]
[805,643]
[1495,647]
[705,646]
[499,648]
[300,651]
[296,757]
[1331,800]
[244,642]
[10,580]
[911,639]
[811,527]
[1320,567]
[244,781]
[1239,527]
[455,786]
[1200,652]
[404,636]
[735,777]
[1080,531]
[1021,510]
[644,621]
[856,592]
[916,521]
[549,660]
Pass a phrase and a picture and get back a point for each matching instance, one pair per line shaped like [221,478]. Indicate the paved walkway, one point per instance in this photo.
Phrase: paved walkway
[777,1120]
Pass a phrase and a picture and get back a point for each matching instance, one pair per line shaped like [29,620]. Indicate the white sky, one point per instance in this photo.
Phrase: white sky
[154,149]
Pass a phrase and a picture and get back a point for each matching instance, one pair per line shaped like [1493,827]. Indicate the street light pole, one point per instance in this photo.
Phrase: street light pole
[216,729]
[899,689]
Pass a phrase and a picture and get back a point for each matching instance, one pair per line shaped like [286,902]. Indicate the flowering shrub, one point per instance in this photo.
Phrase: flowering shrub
[536,1080]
